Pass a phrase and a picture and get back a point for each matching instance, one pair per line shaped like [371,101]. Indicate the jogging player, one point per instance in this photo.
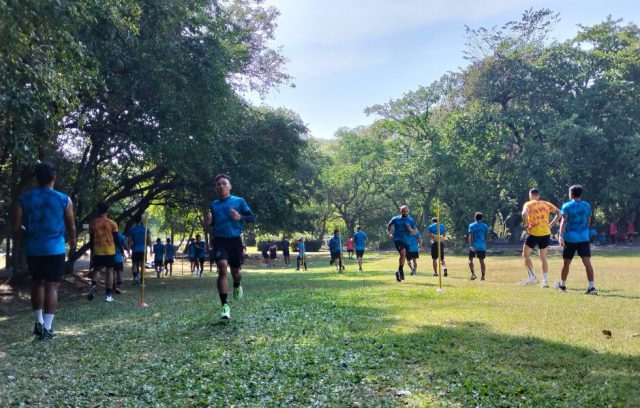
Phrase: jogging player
[535,217]
[413,251]
[102,233]
[191,251]
[201,253]
[118,266]
[350,247]
[43,215]
[169,253]
[403,225]
[435,239]
[285,251]
[360,242]
[158,255]
[302,255]
[574,236]
[228,213]
[478,234]
[335,250]
[137,234]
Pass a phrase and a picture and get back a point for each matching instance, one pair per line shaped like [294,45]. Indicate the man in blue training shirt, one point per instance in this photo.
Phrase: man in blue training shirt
[435,240]
[403,225]
[158,251]
[138,233]
[226,219]
[478,233]
[43,215]
[302,254]
[190,249]
[413,251]
[574,236]
[169,251]
[335,249]
[360,241]
[201,253]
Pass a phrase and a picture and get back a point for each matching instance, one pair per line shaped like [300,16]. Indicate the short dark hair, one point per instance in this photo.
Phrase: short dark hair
[168,239]
[158,240]
[575,191]
[359,228]
[222,175]
[434,219]
[534,191]
[335,231]
[137,218]
[198,236]
[45,173]
[102,208]
[479,216]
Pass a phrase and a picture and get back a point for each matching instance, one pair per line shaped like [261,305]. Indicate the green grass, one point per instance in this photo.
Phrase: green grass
[323,339]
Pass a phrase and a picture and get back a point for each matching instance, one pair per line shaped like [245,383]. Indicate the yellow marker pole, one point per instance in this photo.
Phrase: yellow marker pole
[439,248]
[144,265]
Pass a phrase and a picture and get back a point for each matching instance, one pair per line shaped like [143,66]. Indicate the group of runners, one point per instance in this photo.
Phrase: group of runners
[44,215]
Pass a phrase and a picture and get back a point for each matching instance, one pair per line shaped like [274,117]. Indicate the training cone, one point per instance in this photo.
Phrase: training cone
[439,290]
[142,304]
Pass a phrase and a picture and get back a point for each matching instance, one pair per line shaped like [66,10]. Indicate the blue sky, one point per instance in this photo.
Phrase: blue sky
[350,54]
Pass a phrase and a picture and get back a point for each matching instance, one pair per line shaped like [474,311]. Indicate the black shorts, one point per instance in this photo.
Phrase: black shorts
[137,257]
[570,248]
[201,260]
[265,255]
[413,255]
[47,267]
[192,258]
[212,258]
[118,266]
[107,261]
[229,249]
[542,242]
[272,255]
[359,253]
[349,250]
[400,245]
[334,256]
[480,254]
[285,253]
[434,250]
[157,262]
[168,261]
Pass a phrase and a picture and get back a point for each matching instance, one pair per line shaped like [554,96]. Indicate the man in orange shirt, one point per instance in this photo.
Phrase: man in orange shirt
[535,217]
[102,231]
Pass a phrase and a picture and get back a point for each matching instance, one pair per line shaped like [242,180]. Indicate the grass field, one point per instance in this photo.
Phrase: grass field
[322,339]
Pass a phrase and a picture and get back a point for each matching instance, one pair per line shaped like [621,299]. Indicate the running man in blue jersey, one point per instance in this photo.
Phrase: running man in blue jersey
[228,213]
[478,234]
[335,249]
[190,249]
[360,241]
[137,235]
[158,251]
[403,225]
[574,236]
[118,269]
[302,255]
[169,252]
[413,251]
[435,239]
[43,215]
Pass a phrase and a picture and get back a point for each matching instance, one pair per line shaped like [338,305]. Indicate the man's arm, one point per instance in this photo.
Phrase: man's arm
[525,218]
[471,240]
[556,218]
[389,230]
[563,226]
[70,225]
[18,228]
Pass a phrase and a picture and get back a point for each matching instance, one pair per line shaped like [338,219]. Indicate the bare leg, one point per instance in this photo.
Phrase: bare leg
[545,261]
[528,263]
[50,297]
[108,284]
[483,267]
[588,267]
[223,286]
[565,270]
[37,294]
[435,266]
[471,266]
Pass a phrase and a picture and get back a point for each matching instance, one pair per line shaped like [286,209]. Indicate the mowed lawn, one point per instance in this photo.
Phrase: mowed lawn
[359,339]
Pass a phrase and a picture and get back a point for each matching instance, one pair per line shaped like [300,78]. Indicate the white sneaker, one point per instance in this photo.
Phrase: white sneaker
[108,298]
[531,280]
[544,284]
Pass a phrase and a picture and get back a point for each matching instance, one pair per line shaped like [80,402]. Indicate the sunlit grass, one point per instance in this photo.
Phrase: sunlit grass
[327,339]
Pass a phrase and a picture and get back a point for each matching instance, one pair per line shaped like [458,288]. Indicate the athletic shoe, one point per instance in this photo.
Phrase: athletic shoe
[482,278]
[531,280]
[401,275]
[38,329]
[544,284]
[473,276]
[360,269]
[47,334]
[435,274]
[398,276]
[108,298]
[559,287]
[413,271]
[591,291]
[225,313]
[238,293]
[445,273]
[92,292]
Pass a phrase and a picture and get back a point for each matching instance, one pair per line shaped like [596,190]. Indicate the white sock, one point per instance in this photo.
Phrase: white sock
[532,274]
[48,319]
[545,275]
[563,283]
[592,285]
[38,314]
